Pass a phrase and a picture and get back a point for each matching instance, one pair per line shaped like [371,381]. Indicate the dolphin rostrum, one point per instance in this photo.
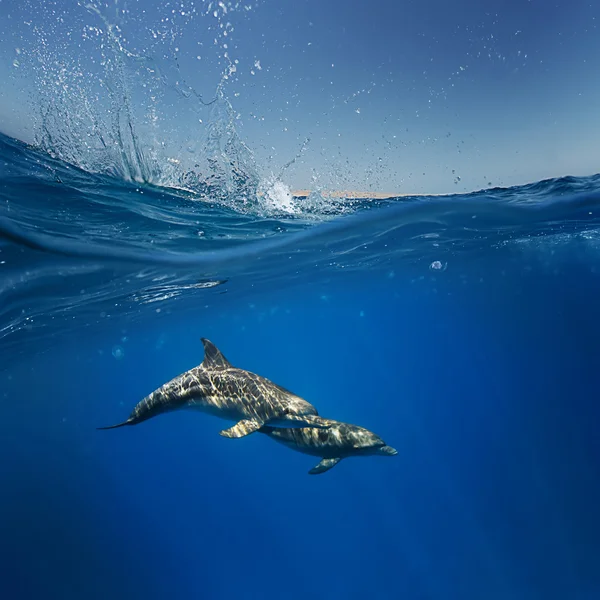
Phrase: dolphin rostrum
[218,388]
[339,440]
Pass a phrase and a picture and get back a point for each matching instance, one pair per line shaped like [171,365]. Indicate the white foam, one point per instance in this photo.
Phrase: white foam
[277,197]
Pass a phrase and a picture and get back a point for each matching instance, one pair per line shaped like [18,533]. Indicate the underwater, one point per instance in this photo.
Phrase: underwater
[328,274]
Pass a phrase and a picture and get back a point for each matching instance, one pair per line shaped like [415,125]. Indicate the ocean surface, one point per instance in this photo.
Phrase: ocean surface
[462,329]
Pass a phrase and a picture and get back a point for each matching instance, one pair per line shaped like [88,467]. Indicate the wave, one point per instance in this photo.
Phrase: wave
[51,206]
[79,247]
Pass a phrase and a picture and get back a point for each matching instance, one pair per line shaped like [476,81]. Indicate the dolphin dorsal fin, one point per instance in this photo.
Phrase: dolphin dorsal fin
[213,358]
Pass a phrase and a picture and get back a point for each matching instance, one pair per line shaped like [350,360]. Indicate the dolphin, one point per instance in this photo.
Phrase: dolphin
[339,440]
[218,388]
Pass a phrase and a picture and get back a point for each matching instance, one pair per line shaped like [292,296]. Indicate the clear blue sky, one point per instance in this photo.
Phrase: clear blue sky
[394,96]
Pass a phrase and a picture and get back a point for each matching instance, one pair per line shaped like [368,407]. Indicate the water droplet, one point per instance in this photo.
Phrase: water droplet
[118,352]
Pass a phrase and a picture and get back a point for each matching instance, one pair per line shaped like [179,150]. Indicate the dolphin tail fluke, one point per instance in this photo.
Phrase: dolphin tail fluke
[123,424]
[242,428]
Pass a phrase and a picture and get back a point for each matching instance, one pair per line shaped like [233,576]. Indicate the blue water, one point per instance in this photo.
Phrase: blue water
[463,330]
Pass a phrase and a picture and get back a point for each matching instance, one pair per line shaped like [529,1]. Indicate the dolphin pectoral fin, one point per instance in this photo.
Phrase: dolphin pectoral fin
[308,421]
[324,465]
[242,428]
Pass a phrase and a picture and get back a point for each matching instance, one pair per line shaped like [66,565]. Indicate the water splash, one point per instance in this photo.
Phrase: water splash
[113,98]
[109,106]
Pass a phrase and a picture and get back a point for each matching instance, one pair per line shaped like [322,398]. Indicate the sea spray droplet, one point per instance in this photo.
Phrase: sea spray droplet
[118,352]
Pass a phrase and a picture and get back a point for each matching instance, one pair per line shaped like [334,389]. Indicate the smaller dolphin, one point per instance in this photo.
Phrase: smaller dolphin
[217,388]
[338,440]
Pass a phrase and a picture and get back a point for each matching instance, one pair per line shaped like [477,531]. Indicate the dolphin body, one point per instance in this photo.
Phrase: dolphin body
[338,440]
[218,388]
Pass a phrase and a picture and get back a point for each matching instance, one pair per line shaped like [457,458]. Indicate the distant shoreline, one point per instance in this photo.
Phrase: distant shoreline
[358,195]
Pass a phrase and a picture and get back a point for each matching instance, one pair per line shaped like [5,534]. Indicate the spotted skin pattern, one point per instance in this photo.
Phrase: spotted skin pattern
[339,440]
[217,388]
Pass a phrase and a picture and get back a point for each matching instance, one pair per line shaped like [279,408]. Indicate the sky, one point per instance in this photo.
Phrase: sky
[386,96]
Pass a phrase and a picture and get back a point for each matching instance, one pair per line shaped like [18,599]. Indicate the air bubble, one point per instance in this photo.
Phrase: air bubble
[438,265]
[118,352]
